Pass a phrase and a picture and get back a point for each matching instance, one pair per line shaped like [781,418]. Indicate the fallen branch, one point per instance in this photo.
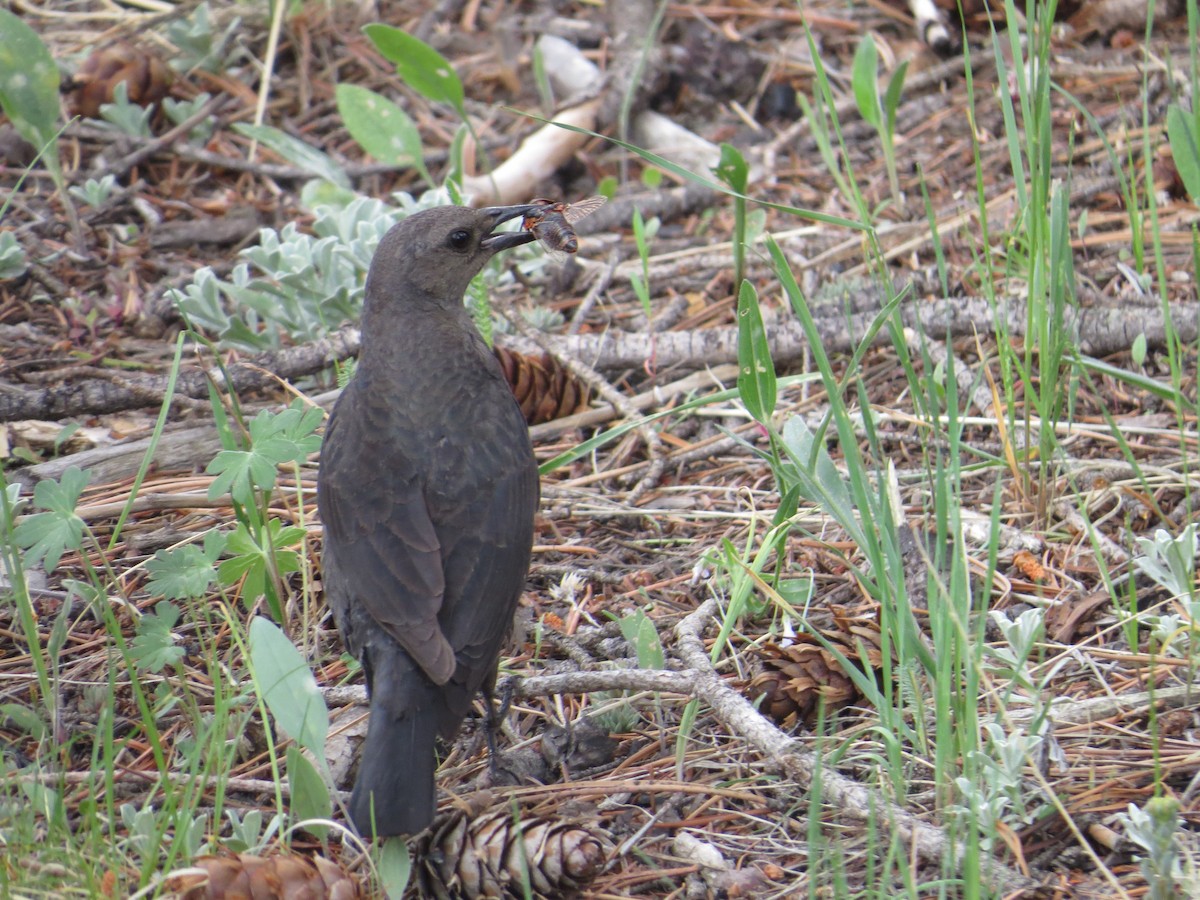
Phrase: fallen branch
[799,763]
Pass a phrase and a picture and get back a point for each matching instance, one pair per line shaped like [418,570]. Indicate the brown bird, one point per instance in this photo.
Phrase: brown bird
[427,490]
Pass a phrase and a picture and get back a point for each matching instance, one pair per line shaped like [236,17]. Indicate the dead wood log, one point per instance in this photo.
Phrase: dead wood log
[1100,331]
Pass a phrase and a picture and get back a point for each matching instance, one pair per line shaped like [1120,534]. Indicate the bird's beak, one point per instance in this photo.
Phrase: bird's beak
[508,239]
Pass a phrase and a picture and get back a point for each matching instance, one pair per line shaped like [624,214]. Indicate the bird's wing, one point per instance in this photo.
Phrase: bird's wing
[486,545]
[389,558]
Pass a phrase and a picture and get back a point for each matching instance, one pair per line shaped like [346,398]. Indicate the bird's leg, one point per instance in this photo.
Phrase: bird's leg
[494,721]
[508,691]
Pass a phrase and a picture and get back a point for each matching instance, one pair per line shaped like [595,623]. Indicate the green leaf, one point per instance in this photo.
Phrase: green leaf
[275,438]
[29,82]
[756,370]
[21,718]
[732,168]
[295,151]
[1137,351]
[423,69]
[818,477]
[607,187]
[455,169]
[187,572]
[13,261]
[1183,133]
[154,647]
[310,794]
[862,79]
[256,557]
[481,308]
[237,472]
[638,629]
[48,535]
[293,432]
[45,801]
[317,193]
[394,865]
[891,99]
[381,127]
[287,686]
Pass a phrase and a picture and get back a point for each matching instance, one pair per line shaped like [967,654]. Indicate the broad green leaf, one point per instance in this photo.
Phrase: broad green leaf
[29,82]
[187,572]
[154,646]
[1183,133]
[422,68]
[275,438]
[638,629]
[866,91]
[21,718]
[818,476]
[255,560]
[45,801]
[287,686]
[316,193]
[394,865]
[295,151]
[48,535]
[310,794]
[237,472]
[732,168]
[756,370]
[1137,351]
[294,430]
[13,260]
[381,127]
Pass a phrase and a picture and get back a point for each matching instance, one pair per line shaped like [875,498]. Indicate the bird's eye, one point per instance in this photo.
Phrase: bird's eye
[460,239]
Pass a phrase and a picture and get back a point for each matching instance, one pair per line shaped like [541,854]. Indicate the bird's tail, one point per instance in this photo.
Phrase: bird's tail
[394,792]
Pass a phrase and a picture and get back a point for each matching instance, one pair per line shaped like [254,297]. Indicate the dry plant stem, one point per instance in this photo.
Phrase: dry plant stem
[656,680]
[186,448]
[147,502]
[854,799]
[597,382]
[1066,711]
[594,292]
[248,785]
[526,172]
[978,396]
[143,153]
[270,55]
[653,680]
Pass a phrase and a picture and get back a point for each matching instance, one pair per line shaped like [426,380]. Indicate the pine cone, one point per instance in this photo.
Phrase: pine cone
[544,388]
[271,878]
[796,678]
[487,856]
[147,79]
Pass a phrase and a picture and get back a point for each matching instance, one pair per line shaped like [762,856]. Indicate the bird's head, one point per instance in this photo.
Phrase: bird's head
[435,253]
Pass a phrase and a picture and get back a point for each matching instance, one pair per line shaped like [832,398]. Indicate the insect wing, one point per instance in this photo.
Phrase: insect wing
[576,211]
